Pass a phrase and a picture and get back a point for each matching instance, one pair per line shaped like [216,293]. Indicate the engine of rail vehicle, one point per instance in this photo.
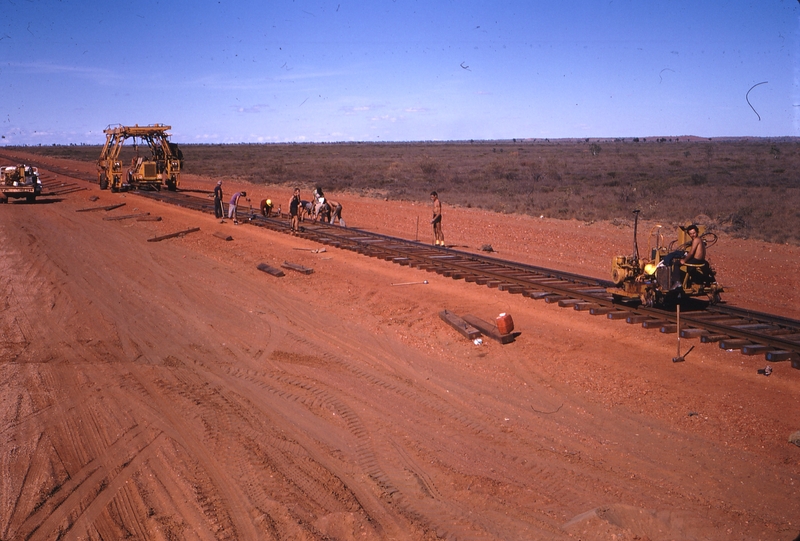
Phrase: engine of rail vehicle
[20,181]
[659,278]
[160,166]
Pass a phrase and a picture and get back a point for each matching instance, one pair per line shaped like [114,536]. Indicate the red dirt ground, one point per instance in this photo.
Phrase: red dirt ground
[170,390]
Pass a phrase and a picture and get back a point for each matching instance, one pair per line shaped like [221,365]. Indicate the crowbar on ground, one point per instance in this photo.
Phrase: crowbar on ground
[410,283]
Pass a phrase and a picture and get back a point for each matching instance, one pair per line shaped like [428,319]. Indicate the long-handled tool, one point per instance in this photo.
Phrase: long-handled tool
[410,283]
[680,358]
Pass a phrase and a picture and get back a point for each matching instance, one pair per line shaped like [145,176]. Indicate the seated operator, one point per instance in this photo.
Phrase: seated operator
[696,255]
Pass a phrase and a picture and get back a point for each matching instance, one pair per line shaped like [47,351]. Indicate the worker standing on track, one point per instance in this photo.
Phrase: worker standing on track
[232,206]
[218,212]
[294,210]
[438,234]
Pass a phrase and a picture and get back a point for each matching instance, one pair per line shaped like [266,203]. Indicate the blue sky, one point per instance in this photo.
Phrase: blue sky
[220,71]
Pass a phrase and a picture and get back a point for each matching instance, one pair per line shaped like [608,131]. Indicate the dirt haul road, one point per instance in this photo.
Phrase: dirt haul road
[169,390]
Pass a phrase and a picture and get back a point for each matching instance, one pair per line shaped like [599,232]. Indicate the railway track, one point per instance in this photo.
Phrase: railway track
[752,333]
[775,337]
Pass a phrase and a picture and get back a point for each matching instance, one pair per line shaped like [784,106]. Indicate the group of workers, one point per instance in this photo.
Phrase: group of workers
[320,208]
[232,204]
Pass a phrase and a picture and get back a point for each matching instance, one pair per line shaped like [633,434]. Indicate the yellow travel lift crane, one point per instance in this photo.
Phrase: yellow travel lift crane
[161,168]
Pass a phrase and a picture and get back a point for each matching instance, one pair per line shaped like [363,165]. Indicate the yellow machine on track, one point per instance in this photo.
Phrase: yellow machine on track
[659,278]
[162,167]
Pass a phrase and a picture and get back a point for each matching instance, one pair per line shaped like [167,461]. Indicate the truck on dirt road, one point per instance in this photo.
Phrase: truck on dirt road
[17,181]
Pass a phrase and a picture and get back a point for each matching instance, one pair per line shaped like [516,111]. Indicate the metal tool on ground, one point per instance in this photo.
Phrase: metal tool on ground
[680,358]
[410,283]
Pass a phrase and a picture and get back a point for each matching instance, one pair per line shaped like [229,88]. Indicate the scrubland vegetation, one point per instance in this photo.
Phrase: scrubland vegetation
[746,187]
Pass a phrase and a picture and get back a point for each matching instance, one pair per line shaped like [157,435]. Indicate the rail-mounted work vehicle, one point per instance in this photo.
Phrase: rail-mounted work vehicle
[659,278]
[161,167]
[17,181]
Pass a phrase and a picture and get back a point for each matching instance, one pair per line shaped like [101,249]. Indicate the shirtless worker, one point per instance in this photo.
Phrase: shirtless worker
[437,220]
[696,254]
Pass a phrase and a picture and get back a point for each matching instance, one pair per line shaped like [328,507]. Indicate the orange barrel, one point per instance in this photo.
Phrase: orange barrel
[505,324]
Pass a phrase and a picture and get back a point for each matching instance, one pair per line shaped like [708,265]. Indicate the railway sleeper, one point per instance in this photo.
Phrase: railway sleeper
[693,333]
[619,314]
[782,355]
[567,303]
[734,343]
[514,289]
[552,299]
[637,319]
[710,338]
[756,349]
[656,324]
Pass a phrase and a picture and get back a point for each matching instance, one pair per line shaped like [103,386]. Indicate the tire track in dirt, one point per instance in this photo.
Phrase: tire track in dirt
[458,524]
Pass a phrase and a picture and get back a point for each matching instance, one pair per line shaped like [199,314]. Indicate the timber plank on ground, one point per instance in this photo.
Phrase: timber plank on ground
[173,235]
[297,268]
[490,330]
[459,324]
[263,267]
